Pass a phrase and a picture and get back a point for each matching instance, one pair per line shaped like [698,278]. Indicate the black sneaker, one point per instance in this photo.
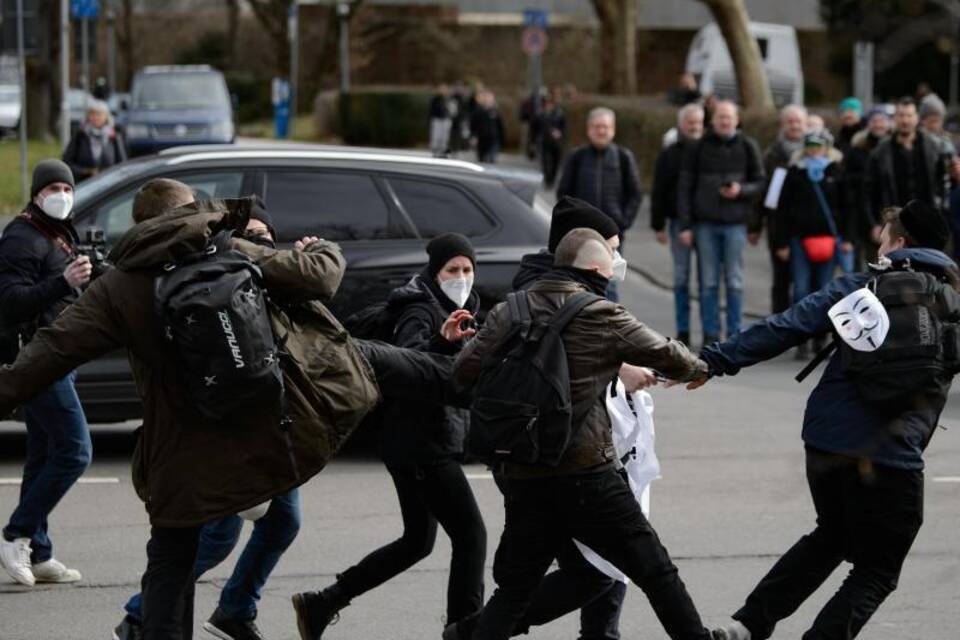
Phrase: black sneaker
[128,629]
[461,630]
[221,626]
[316,610]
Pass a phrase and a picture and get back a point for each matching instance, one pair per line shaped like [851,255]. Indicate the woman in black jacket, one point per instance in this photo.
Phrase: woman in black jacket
[422,447]
[96,145]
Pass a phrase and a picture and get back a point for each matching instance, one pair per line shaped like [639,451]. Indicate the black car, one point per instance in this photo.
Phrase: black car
[380,206]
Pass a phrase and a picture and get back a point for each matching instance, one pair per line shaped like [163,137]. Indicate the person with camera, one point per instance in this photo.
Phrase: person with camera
[41,274]
[422,446]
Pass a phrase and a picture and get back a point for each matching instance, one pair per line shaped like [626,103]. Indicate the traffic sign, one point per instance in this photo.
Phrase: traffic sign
[535,18]
[85,9]
[534,41]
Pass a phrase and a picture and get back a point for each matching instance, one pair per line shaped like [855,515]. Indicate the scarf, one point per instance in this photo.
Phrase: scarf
[816,166]
[593,281]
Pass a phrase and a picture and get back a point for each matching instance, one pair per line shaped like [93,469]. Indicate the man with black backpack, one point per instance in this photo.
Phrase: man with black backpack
[867,422]
[538,369]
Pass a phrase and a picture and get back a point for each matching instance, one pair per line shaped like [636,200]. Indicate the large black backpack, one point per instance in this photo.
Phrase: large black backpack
[213,312]
[374,322]
[521,410]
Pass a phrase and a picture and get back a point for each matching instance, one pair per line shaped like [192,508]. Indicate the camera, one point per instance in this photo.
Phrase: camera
[94,247]
[469,323]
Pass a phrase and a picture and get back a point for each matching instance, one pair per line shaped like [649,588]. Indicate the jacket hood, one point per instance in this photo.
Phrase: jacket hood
[532,266]
[411,292]
[172,236]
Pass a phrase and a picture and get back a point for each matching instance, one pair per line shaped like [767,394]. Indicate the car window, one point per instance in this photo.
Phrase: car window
[437,208]
[179,91]
[115,215]
[336,206]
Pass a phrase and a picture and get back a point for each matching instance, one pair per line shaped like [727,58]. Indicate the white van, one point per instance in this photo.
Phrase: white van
[709,61]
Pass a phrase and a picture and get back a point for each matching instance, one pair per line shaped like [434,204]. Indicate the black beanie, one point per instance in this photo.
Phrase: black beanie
[444,247]
[925,225]
[573,213]
[258,211]
[47,172]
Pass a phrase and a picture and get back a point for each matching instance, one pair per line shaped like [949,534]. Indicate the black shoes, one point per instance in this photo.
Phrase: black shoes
[128,629]
[316,610]
[462,629]
[225,628]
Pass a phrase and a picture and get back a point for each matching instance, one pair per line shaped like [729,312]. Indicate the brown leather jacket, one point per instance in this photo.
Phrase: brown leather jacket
[601,338]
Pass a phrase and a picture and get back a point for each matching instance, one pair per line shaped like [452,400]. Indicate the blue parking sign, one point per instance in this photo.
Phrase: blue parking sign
[535,18]
[88,9]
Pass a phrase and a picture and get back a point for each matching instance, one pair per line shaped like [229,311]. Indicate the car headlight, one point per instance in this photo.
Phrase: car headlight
[137,131]
[222,130]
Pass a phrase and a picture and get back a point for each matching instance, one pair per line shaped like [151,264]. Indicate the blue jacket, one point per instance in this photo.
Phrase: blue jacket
[837,419]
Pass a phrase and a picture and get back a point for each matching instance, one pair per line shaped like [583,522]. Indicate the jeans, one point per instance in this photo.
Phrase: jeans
[682,257]
[272,536]
[868,518]
[599,510]
[808,275]
[58,452]
[428,494]
[440,135]
[487,152]
[168,583]
[720,251]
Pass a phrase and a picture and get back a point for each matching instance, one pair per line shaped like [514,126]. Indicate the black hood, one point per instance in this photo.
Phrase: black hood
[532,267]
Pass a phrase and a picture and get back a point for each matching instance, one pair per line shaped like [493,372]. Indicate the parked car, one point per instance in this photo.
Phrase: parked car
[177,105]
[380,206]
[709,61]
[9,106]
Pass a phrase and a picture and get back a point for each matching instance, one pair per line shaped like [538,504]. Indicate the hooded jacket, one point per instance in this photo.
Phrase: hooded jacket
[415,432]
[837,418]
[186,470]
[532,266]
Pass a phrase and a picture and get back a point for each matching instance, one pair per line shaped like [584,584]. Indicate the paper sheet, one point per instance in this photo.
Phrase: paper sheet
[776,185]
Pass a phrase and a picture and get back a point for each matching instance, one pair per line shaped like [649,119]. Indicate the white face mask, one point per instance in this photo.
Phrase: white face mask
[619,267]
[457,289]
[58,205]
[861,320]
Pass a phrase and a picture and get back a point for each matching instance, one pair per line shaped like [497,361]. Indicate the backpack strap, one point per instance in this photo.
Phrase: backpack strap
[822,355]
[571,307]
[519,308]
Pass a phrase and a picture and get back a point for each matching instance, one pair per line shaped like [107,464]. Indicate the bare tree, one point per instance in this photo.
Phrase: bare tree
[125,43]
[618,45]
[233,30]
[272,16]
[734,22]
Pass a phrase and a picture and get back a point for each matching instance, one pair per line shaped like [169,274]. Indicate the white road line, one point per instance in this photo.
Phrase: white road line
[17,481]
[947,479]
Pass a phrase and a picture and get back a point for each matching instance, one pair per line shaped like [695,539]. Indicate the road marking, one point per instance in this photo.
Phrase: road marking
[947,479]
[17,481]
[479,476]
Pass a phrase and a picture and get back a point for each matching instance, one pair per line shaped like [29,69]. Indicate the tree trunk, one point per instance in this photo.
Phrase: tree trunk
[233,31]
[618,45]
[125,40]
[272,16]
[42,90]
[731,16]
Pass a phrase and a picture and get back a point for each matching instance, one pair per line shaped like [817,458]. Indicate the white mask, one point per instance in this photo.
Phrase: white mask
[619,267]
[861,320]
[457,289]
[58,205]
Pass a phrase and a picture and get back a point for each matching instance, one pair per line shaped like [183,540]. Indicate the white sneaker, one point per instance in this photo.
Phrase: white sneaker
[15,558]
[54,571]
[734,631]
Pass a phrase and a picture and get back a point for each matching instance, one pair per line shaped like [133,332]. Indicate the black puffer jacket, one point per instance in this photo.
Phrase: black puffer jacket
[606,178]
[32,286]
[799,212]
[414,433]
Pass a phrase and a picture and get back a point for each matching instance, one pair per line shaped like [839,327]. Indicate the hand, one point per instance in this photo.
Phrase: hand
[662,237]
[731,192]
[875,234]
[637,378]
[78,272]
[753,239]
[698,382]
[846,247]
[304,242]
[451,330]
[783,254]
[686,238]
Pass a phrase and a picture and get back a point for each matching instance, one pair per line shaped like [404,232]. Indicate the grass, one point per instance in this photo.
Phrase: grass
[303,129]
[11,200]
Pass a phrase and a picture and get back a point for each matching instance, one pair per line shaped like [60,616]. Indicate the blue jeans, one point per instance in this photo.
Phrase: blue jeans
[682,257]
[808,276]
[58,452]
[720,251]
[272,535]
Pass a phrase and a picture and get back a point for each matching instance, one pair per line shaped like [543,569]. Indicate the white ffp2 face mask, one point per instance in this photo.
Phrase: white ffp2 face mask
[58,205]
[619,267]
[861,320]
[457,289]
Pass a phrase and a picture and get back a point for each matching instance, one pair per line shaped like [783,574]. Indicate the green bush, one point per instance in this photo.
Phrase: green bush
[384,118]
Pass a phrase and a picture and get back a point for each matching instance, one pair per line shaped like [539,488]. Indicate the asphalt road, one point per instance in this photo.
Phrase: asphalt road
[732,497]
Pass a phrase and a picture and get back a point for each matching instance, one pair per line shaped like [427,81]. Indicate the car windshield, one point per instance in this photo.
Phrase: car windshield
[179,91]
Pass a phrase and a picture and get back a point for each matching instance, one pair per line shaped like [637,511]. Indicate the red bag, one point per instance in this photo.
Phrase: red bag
[819,248]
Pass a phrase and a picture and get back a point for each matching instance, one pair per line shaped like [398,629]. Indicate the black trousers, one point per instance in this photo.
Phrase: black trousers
[599,510]
[168,583]
[551,155]
[406,373]
[429,494]
[780,297]
[866,516]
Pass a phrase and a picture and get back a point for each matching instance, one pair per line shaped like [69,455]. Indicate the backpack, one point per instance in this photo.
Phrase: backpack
[521,411]
[374,322]
[213,311]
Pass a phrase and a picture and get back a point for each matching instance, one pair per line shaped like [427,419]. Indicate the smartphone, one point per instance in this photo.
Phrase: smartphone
[468,323]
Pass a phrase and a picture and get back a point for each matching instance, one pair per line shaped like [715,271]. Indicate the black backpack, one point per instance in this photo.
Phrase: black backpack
[374,322]
[521,411]
[213,311]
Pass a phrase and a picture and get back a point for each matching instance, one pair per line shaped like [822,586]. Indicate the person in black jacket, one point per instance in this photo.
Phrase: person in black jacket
[40,275]
[486,128]
[422,445]
[864,224]
[663,208]
[552,128]
[96,145]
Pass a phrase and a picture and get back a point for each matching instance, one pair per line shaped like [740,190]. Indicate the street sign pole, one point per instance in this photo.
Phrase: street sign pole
[22,71]
[64,73]
[293,33]
[343,10]
[85,51]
